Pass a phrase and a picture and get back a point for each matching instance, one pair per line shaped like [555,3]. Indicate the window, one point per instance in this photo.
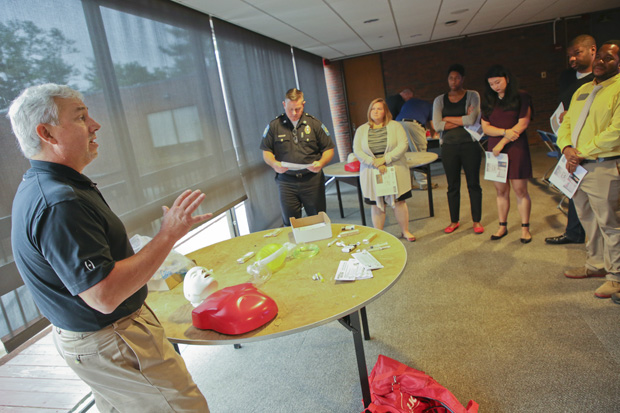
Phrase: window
[173,127]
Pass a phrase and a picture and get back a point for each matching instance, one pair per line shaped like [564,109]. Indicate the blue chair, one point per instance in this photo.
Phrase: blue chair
[549,139]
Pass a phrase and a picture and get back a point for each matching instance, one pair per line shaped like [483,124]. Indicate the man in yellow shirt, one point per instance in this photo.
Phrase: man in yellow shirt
[590,136]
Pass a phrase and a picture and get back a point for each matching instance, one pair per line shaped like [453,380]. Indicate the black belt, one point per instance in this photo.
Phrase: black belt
[598,160]
[298,175]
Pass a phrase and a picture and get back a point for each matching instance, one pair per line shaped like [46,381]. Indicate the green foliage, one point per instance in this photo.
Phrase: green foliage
[127,74]
[30,55]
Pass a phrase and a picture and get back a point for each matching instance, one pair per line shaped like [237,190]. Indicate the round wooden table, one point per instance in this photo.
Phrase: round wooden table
[415,160]
[303,303]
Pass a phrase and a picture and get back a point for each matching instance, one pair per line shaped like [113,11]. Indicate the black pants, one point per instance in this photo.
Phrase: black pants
[307,191]
[467,156]
[574,230]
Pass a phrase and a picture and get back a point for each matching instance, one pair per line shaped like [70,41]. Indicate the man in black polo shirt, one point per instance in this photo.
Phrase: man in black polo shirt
[74,256]
[301,139]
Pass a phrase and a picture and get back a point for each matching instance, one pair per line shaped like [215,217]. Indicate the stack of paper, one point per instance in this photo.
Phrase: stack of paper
[358,268]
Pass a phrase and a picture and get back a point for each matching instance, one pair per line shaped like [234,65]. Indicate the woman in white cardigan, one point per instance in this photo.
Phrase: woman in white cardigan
[379,144]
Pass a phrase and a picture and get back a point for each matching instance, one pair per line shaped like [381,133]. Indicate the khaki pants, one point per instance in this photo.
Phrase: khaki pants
[131,366]
[596,202]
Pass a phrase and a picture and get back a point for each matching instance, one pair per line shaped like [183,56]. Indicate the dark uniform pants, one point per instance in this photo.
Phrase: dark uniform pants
[307,190]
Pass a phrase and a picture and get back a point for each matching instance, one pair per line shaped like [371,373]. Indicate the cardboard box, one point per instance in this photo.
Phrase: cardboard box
[312,228]
[165,284]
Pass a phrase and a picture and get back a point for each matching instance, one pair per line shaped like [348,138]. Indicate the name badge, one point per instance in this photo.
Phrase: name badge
[281,136]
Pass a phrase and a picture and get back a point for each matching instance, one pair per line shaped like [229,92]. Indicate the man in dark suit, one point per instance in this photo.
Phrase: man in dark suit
[580,53]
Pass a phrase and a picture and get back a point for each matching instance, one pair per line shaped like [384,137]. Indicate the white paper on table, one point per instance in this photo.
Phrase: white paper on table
[565,181]
[496,168]
[385,184]
[555,118]
[295,166]
[352,270]
[367,260]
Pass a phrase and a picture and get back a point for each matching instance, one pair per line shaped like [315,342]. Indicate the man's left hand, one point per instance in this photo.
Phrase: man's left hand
[315,167]
[178,219]
[573,158]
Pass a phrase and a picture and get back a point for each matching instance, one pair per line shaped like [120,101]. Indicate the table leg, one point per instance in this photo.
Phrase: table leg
[352,323]
[365,323]
[339,198]
[361,358]
[360,199]
[429,189]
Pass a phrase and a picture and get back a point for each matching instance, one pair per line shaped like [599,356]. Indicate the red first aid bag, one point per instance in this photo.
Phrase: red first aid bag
[398,388]
[352,166]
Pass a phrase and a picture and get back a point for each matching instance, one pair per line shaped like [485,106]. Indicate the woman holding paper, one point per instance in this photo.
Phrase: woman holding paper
[380,146]
[452,112]
[506,114]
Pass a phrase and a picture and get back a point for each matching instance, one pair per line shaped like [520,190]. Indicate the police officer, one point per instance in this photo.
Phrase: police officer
[298,138]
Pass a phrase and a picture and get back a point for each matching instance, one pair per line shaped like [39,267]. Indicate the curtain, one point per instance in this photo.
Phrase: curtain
[148,72]
[312,82]
[256,72]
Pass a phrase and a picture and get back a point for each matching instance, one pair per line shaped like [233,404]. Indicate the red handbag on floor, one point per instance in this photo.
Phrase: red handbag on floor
[398,388]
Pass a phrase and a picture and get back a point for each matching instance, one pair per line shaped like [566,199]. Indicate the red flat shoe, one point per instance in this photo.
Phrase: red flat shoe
[479,230]
[410,239]
[450,229]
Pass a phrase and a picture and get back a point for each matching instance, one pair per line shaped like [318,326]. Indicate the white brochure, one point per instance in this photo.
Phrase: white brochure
[565,181]
[496,168]
[295,166]
[475,130]
[352,270]
[385,184]
[555,118]
[367,260]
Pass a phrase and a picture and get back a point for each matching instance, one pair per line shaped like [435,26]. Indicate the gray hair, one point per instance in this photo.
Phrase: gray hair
[36,105]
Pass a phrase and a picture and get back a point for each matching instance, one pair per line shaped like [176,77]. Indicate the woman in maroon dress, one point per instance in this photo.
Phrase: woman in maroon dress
[506,114]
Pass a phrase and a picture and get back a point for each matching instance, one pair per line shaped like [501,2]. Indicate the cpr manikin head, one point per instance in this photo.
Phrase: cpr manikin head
[198,285]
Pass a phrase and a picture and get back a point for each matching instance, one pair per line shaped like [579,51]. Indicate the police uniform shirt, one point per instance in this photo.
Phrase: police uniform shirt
[303,144]
[66,239]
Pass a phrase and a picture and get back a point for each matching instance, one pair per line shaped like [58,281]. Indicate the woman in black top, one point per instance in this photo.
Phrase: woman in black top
[453,111]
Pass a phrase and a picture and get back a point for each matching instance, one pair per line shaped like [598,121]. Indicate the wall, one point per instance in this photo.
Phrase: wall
[527,52]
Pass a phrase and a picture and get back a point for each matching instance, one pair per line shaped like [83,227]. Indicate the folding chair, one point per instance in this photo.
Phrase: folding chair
[549,139]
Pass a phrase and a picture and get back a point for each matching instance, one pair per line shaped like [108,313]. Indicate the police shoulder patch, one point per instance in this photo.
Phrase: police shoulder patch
[325,129]
[265,132]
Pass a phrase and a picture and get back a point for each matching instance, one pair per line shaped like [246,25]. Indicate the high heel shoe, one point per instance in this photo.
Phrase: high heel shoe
[451,228]
[496,237]
[526,240]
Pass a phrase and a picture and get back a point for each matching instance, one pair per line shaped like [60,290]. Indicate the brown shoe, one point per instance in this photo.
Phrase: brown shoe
[607,289]
[584,272]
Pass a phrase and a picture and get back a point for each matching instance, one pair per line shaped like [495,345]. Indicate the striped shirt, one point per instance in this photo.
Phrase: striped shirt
[377,140]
